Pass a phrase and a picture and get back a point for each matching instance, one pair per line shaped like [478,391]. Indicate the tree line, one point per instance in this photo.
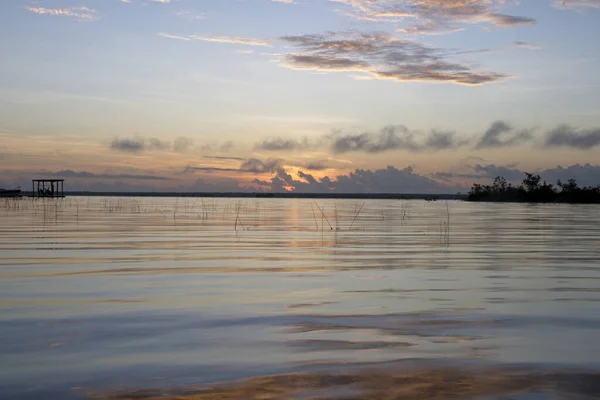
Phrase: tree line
[533,189]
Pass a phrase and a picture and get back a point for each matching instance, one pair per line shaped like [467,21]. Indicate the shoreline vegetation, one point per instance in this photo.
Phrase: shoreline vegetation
[534,190]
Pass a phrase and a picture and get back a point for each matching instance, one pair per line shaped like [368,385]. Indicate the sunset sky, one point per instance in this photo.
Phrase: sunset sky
[306,95]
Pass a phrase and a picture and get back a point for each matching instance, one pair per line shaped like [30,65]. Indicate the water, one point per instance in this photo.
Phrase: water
[100,295]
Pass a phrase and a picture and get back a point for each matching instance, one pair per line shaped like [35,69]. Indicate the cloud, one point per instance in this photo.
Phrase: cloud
[501,134]
[586,174]
[435,15]
[528,46]
[380,56]
[283,1]
[221,39]
[316,166]
[227,146]
[225,158]
[250,165]
[258,166]
[90,175]
[394,137]
[138,144]
[566,136]
[182,144]
[281,144]
[191,15]
[577,3]
[190,169]
[387,180]
[80,13]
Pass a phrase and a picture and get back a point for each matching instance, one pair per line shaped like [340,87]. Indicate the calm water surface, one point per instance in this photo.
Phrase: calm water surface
[105,294]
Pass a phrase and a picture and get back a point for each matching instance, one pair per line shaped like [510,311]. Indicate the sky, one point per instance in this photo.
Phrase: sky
[402,96]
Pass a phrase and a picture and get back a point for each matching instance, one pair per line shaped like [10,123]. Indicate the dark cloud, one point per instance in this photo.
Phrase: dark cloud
[128,145]
[260,166]
[394,137]
[90,175]
[443,141]
[138,144]
[566,136]
[381,56]
[281,144]
[585,174]
[501,134]
[387,180]
[316,166]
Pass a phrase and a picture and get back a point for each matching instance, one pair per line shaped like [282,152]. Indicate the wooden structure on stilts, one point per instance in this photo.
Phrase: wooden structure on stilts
[47,187]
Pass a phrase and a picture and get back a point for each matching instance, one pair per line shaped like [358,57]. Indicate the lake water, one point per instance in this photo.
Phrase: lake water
[99,296]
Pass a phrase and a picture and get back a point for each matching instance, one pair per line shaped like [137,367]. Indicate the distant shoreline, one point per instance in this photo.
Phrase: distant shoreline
[365,196]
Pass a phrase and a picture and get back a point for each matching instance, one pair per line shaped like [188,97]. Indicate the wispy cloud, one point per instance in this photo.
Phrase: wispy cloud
[528,46]
[169,36]
[435,15]
[577,3]
[380,56]
[221,39]
[80,13]
[191,15]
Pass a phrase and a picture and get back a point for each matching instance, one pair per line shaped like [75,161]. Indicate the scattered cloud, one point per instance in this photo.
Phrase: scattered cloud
[501,134]
[566,136]
[138,144]
[79,13]
[380,56]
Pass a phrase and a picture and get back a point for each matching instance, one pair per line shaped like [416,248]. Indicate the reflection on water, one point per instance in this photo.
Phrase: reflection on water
[106,295]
